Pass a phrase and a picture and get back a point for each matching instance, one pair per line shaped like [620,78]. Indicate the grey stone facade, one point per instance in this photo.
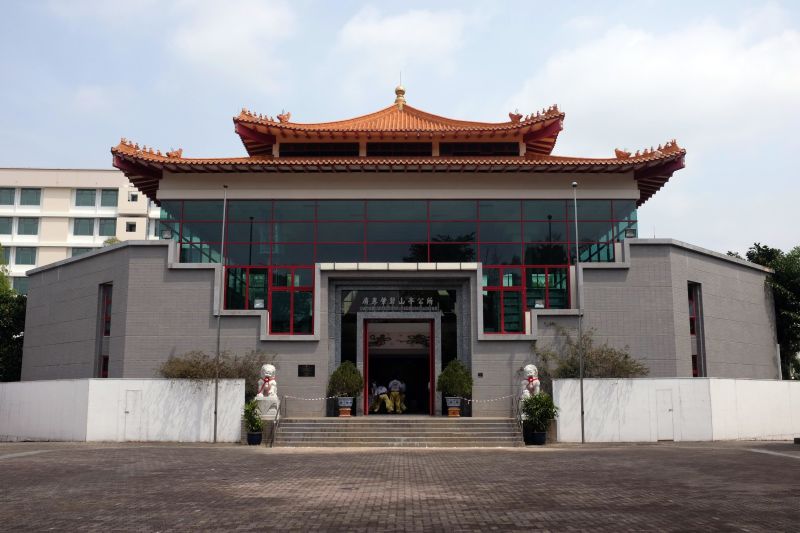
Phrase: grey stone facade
[161,308]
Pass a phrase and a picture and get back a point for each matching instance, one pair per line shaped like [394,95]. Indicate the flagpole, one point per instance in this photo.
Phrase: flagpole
[220,304]
[578,300]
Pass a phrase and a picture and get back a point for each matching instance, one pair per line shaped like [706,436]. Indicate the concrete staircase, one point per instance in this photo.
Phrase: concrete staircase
[399,431]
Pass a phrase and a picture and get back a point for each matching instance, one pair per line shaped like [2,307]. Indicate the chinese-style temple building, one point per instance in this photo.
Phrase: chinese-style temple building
[399,240]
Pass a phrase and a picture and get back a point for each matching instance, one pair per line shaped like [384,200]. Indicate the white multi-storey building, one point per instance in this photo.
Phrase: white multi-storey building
[47,215]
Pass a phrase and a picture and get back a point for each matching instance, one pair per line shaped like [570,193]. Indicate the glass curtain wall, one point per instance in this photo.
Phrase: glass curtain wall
[525,246]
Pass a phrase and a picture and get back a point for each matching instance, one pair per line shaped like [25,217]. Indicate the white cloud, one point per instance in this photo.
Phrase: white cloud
[722,91]
[235,39]
[379,46]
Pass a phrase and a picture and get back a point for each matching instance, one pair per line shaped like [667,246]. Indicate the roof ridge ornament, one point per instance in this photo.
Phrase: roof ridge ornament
[400,96]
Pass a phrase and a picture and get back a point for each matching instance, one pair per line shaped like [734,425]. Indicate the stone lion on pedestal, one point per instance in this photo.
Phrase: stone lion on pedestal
[530,385]
[267,396]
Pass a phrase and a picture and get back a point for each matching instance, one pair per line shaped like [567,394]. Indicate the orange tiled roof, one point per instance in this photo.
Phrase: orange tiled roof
[651,167]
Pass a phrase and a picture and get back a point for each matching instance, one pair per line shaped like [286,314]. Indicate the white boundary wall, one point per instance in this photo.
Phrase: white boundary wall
[120,410]
[680,409]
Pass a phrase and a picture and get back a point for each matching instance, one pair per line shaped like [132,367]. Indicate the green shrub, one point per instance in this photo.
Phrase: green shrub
[346,381]
[252,417]
[538,410]
[200,365]
[455,380]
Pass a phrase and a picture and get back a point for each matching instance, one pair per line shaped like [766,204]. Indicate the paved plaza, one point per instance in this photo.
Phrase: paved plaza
[150,487]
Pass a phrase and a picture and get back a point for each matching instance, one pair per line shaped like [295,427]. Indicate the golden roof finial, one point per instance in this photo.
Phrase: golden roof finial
[400,93]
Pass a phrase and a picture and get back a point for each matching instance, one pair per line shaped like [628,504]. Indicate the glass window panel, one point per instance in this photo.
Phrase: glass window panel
[30,196]
[535,288]
[454,210]
[292,254]
[499,209]
[397,253]
[340,210]
[167,229]
[591,210]
[293,232]
[558,294]
[397,231]
[594,231]
[202,231]
[500,232]
[294,210]
[109,197]
[491,312]
[25,255]
[546,254]
[501,254]
[5,256]
[512,312]
[80,251]
[258,288]
[397,210]
[594,252]
[107,227]
[5,225]
[28,226]
[83,226]
[453,231]
[303,277]
[491,277]
[281,277]
[235,289]
[545,231]
[247,254]
[512,277]
[340,232]
[85,197]
[6,196]
[342,253]
[279,312]
[248,232]
[20,284]
[202,210]
[172,209]
[200,253]
[303,312]
[624,209]
[242,210]
[453,253]
[541,209]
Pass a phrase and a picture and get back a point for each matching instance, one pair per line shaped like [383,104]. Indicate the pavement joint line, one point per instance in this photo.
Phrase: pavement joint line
[22,454]
[769,452]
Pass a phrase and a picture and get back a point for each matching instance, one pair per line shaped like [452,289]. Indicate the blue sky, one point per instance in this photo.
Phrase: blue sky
[723,78]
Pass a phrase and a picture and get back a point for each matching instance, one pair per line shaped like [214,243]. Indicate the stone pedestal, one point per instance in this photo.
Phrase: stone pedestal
[268,406]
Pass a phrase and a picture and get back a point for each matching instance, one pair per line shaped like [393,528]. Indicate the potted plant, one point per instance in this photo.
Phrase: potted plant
[345,383]
[253,423]
[537,411]
[455,382]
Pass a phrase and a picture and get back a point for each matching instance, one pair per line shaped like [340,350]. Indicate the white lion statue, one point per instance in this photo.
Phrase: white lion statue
[530,385]
[267,396]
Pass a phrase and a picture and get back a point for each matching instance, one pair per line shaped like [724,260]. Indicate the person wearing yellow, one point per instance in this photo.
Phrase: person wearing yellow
[396,395]
[380,394]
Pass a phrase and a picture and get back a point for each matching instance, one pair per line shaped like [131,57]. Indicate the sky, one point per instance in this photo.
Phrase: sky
[721,77]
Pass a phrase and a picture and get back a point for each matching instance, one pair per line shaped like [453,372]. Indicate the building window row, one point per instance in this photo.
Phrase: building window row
[19,225]
[25,196]
[96,197]
[90,227]
[18,255]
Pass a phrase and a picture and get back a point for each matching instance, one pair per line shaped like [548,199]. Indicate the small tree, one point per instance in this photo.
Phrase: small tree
[539,409]
[12,327]
[200,365]
[346,381]
[455,380]
[252,417]
[603,361]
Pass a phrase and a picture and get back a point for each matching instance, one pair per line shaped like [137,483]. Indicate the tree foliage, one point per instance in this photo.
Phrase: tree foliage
[346,381]
[785,283]
[12,328]
[200,365]
[562,360]
[455,380]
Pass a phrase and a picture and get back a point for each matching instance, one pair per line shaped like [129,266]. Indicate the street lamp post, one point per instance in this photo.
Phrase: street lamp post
[578,300]
[220,303]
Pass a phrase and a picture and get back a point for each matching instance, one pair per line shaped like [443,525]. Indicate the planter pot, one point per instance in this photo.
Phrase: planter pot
[530,436]
[254,438]
[453,405]
[345,405]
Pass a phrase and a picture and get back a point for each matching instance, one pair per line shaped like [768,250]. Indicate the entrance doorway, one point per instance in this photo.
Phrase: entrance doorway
[401,350]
